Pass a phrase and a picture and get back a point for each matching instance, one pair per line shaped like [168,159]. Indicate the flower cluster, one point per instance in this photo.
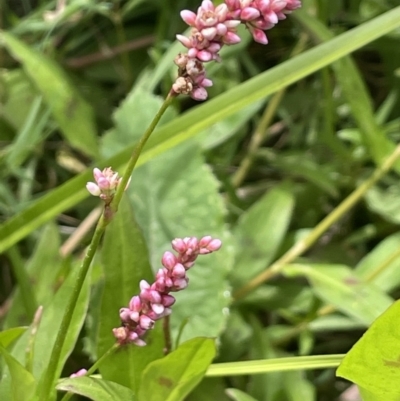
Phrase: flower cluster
[215,26]
[106,184]
[154,301]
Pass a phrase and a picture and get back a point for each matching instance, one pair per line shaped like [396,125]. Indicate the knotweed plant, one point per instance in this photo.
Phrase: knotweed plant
[211,28]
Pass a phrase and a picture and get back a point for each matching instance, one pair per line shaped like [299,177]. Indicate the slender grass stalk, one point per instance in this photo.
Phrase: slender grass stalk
[48,379]
[301,246]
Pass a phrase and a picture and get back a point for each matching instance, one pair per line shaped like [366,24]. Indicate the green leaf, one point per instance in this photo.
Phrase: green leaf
[374,361]
[337,285]
[74,116]
[174,376]
[260,231]
[22,382]
[7,337]
[96,389]
[201,117]
[382,265]
[125,262]
[48,328]
[238,395]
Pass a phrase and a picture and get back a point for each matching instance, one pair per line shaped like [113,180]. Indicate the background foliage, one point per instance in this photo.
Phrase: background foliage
[259,165]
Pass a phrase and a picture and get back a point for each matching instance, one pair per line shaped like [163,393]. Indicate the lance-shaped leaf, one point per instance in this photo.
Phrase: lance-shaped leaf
[97,389]
[125,261]
[174,376]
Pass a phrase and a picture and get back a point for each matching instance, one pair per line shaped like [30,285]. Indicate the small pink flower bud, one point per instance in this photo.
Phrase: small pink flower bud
[199,94]
[145,322]
[168,300]
[79,373]
[93,189]
[231,38]
[184,40]
[178,271]
[209,33]
[249,14]
[135,304]
[189,17]
[259,36]
[157,308]
[169,260]
[178,245]
[204,55]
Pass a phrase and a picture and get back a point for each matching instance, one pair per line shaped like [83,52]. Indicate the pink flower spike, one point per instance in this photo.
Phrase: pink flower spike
[189,17]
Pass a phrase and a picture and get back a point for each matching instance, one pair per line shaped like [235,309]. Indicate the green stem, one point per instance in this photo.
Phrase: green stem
[136,153]
[301,246]
[94,367]
[49,377]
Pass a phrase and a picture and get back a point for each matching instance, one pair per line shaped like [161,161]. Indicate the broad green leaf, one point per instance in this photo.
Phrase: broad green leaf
[42,269]
[96,389]
[48,328]
[337,285]
[274,365]
[238,395]
[374,138]
[382,265]
[174,376]
[8,336]
[125,263]
[260,231]
[22,382]
[201,117]
[374,361]
[74,116]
